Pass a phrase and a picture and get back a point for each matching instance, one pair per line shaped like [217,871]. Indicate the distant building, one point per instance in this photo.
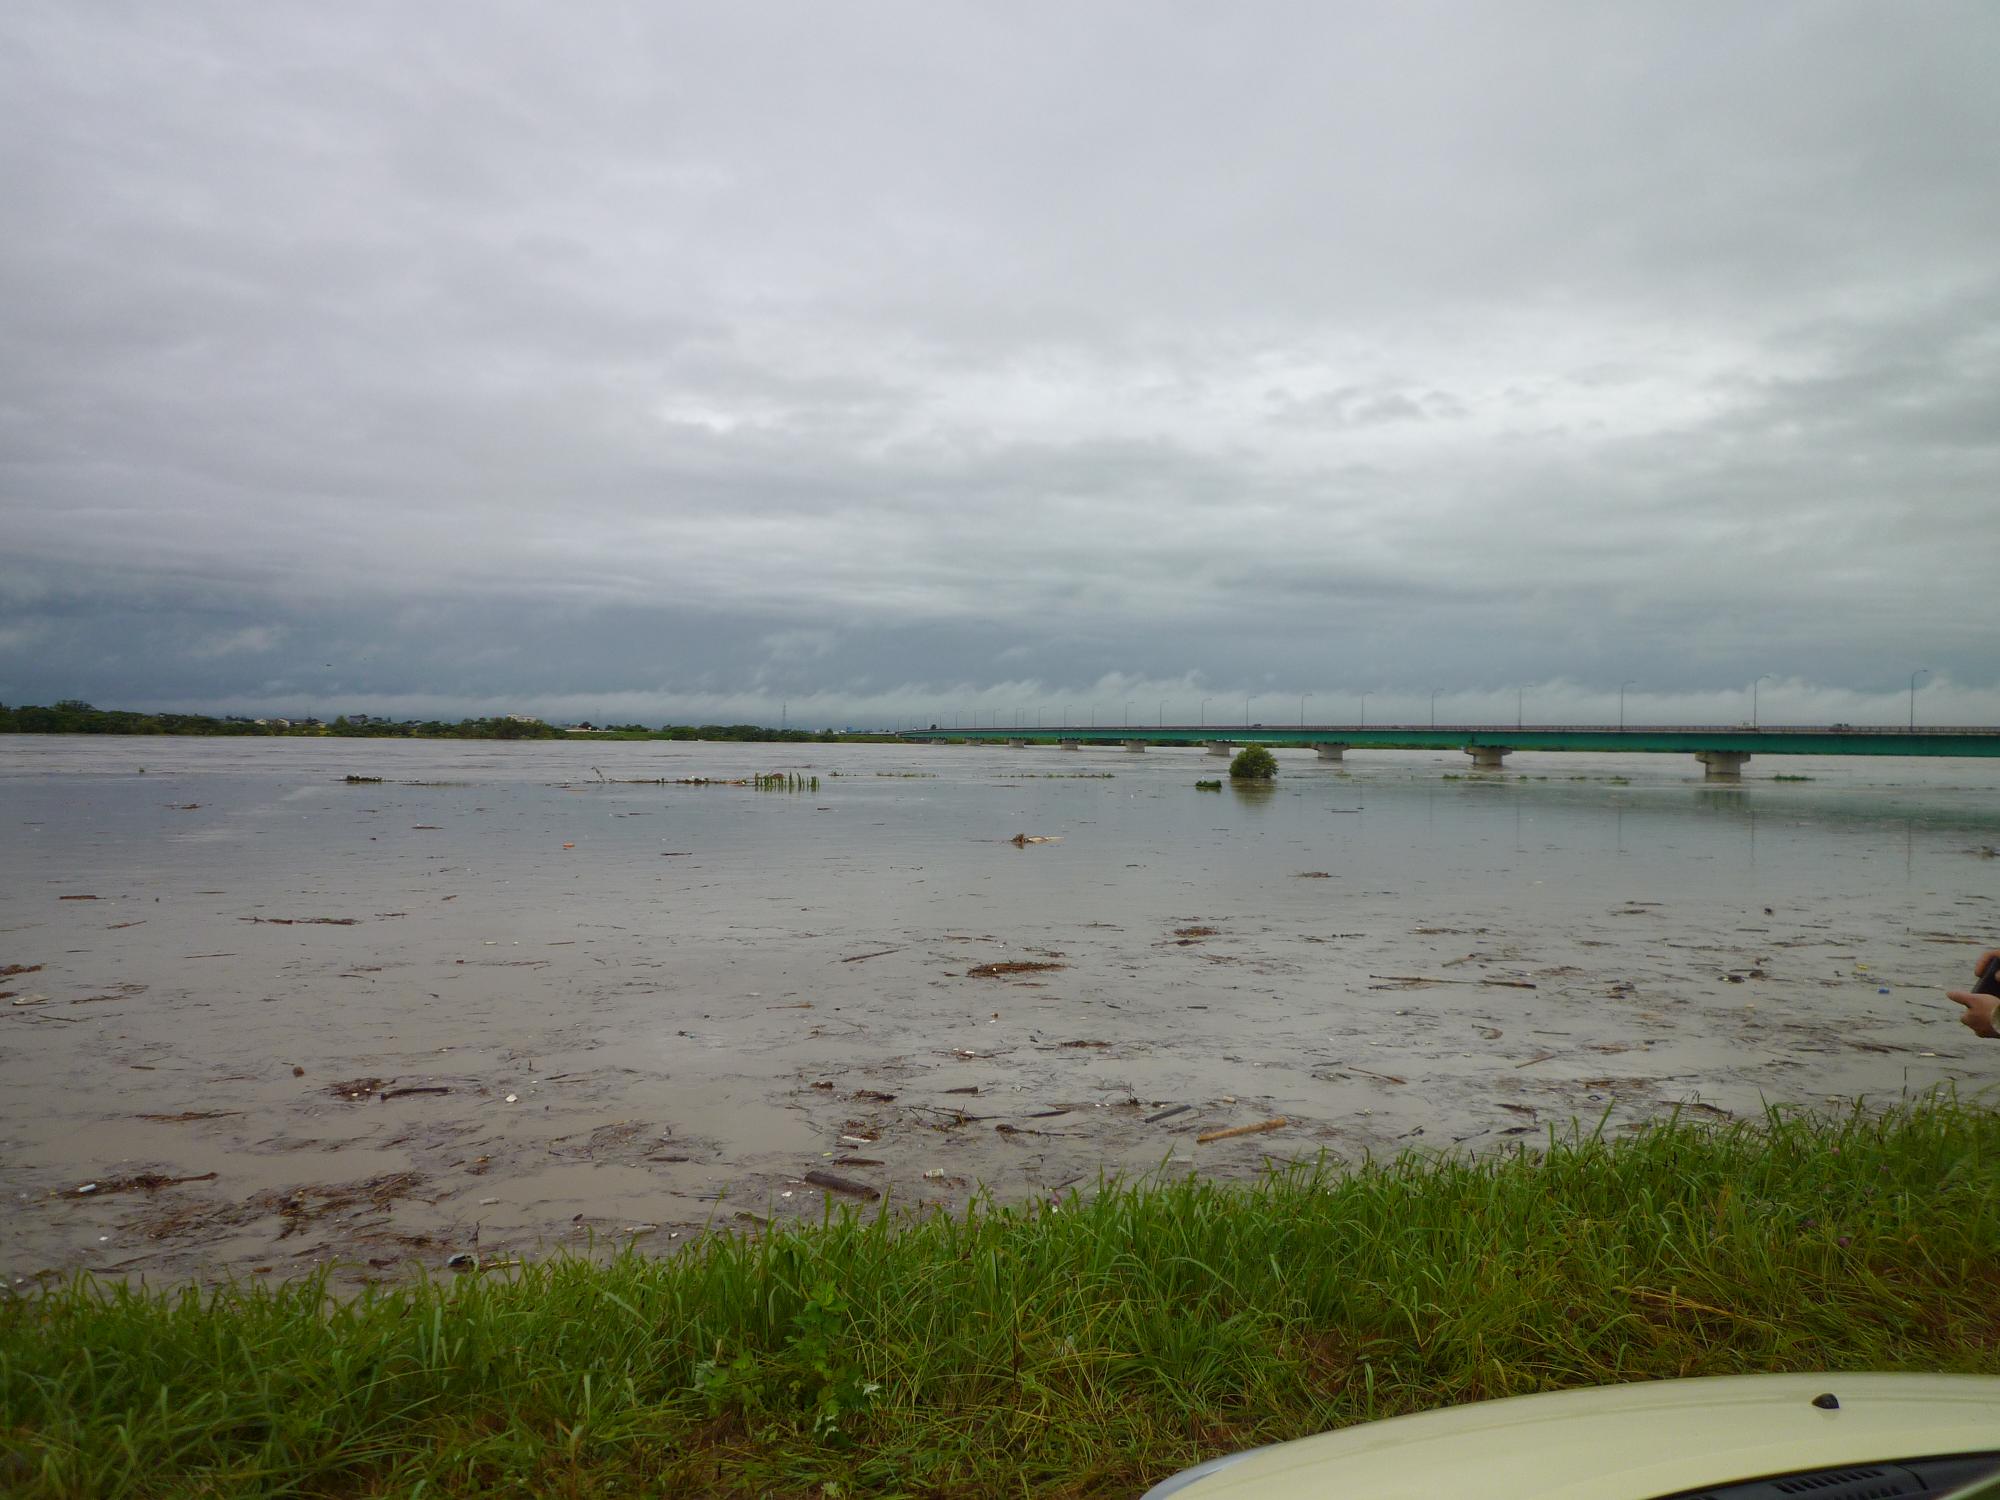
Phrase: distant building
[524,718]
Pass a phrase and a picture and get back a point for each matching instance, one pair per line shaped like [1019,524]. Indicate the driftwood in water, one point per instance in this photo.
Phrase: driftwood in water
[837,1184]
[1278,1122]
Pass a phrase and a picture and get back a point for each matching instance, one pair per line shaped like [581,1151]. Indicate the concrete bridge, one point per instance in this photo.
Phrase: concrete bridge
[1723,750]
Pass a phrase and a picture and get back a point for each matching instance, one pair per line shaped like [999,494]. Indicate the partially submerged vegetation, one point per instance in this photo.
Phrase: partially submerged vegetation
[1253,763]
[1083,1348]
[785,781]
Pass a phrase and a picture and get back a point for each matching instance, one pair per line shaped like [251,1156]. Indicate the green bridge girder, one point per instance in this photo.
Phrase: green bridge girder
[1834,740]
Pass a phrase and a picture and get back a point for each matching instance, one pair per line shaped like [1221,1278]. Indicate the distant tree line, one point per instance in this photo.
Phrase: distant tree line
[739,732]
[437,729]
[72,716]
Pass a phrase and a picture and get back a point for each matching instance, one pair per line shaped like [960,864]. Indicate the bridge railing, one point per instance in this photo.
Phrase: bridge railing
[1224,731]
[1901,729]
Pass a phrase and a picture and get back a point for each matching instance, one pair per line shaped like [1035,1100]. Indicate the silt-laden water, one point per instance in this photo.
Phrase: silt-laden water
[635,1009]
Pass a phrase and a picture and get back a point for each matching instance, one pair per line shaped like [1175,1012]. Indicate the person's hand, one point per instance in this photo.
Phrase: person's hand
[1982,1012]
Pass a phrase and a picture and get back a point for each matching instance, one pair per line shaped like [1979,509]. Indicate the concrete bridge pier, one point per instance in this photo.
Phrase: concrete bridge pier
[1136,747]
[1015,744]
[1331,752]
[1221,747]
[1722,765]
[1069,744]
[1488,757]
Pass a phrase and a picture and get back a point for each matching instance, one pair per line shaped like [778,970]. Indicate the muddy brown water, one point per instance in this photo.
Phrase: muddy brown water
[507,1000]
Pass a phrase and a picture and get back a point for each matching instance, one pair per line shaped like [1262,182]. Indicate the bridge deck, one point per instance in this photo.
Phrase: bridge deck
[1837,739]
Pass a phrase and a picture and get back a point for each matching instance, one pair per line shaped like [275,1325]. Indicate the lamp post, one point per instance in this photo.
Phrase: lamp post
[1163,713]
[1204,711]
[1621,701]
[1246,710]
[1364,712]
[1519,718]
[1128,713]
[1767,677]
[1434,706]
[1920,672]
[1302,709]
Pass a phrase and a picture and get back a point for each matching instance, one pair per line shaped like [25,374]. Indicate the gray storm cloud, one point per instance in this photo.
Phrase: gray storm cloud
[886,358]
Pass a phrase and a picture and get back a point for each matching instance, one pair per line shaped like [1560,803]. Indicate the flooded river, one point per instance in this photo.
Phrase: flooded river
[515,997]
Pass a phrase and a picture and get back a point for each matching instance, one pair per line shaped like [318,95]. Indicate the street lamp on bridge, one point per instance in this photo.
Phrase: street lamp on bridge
[1767,677]
[1920,672]
[1204,711]
[1302,709]
[1621,701]
[1434,706]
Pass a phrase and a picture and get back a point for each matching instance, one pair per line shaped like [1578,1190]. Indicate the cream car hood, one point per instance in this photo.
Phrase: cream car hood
[1625,1442]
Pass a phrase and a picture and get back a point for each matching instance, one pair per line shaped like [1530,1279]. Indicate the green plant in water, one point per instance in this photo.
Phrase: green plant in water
[1208,786]
[783,781]
[1253,763]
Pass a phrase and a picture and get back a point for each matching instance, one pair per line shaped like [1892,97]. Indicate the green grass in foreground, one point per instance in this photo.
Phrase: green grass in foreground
[1079,1352]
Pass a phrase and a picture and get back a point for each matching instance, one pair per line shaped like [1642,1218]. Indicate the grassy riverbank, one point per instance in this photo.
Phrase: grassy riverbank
[1079,1352]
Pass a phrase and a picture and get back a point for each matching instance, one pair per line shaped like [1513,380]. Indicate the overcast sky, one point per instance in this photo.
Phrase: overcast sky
[880,363]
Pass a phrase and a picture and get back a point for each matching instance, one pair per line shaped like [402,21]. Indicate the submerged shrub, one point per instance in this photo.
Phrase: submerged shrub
[1253,763]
